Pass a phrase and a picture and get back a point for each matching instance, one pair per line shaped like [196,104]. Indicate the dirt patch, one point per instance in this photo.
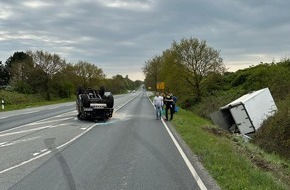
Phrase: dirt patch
[266,166]
[216,131]
[279,171]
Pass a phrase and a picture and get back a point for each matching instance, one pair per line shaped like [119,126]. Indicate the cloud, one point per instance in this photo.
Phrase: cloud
[120,35]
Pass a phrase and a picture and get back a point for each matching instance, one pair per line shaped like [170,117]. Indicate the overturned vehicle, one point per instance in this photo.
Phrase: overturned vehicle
[94,104]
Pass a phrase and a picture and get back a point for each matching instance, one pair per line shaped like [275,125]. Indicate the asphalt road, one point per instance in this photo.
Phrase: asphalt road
[49,148]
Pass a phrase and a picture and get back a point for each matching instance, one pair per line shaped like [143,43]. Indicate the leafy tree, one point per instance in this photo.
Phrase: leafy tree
[170,74]
[63,83]
[50,64]
[152,71]
[21,69]
[4,75]
[17,58]
[197,60]
[88,75]
[119,84]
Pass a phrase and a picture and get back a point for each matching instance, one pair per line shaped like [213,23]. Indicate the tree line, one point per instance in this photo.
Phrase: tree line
[195,73]
[53,77]
[185,68]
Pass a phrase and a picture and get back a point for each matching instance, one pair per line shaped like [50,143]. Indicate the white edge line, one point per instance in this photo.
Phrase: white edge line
[49,151]
[29,124]
[185,158]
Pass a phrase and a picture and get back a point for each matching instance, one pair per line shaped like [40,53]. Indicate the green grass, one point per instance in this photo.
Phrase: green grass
[34,104]
[14,100]
[233,163]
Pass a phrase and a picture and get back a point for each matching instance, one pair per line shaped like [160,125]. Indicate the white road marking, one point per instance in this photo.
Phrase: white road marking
[59,147]
[29,112]
[34,129]
[40,152]
[29,124]
[18,141]
[25,131]
[183,155]
[47,152]
[47,121]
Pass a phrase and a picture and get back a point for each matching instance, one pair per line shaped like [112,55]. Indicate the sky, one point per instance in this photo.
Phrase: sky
[119,36]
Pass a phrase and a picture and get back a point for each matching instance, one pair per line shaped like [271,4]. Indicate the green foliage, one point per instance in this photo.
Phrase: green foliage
[274,135]
[49,76]
[189,69]
[152,71]
[89,75]
[4,75]
[197,61]
[118,84]
[12,98]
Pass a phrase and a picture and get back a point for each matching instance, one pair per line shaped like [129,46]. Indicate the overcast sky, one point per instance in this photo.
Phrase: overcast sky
[120,35]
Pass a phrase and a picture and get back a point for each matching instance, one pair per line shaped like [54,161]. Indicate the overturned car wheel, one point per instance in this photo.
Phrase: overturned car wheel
[110,101]
[84,99]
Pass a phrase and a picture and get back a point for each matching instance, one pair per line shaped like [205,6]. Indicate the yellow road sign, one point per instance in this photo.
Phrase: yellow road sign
[160,85]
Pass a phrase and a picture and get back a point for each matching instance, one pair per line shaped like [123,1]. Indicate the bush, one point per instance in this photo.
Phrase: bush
[274,134]
[15,98]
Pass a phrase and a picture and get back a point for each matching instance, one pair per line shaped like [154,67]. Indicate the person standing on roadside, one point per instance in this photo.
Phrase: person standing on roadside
[158,104]
[169,106]
[174,103]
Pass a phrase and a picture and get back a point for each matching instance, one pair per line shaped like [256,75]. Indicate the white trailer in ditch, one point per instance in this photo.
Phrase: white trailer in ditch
[247,113]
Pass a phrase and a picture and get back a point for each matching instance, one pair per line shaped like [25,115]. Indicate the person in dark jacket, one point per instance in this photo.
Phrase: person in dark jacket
[168,101]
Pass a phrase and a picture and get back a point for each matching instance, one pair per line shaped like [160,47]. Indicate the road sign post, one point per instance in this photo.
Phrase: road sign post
[3,107]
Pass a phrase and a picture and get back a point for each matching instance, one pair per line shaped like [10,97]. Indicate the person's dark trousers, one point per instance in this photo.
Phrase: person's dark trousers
[171,112]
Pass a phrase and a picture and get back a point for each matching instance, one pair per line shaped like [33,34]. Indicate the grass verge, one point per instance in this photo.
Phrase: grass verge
[35,104]
[232,162]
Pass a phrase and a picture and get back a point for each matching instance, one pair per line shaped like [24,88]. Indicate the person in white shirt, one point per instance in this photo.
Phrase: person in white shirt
[158,104]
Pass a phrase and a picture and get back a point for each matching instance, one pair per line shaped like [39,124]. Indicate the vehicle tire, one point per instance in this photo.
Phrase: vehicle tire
[85,101]
[102,91]
[80,108]
[80,90]
[80,116]
[110,101]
